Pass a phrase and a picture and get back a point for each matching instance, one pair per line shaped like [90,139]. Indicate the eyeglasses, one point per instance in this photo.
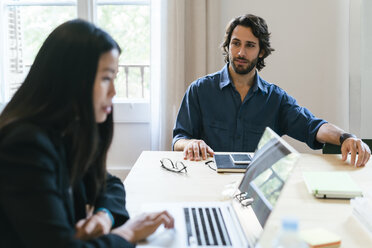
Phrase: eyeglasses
[211,164]
[177,167]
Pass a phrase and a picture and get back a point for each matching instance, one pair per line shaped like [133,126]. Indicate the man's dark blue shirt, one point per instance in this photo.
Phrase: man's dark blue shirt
[212,110]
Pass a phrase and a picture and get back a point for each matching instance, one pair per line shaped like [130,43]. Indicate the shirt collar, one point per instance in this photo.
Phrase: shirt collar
[226,80]
[225,77]
[258,84]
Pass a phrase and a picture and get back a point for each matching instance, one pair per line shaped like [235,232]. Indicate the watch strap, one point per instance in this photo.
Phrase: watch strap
[345,136]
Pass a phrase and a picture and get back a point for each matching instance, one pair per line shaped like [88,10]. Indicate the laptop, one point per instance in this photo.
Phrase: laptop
[240,221]
[331,184]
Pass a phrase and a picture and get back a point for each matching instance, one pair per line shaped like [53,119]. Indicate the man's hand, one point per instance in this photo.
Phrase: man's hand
[197,150]
[354,146]
[93,226]
[139,228]
[329,133]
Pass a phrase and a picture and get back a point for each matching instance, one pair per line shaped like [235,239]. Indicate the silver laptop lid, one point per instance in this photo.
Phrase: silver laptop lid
[266,175]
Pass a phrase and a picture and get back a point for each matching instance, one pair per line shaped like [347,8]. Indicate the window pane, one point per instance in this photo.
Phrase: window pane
[38,22]
[130,27]
[27,28]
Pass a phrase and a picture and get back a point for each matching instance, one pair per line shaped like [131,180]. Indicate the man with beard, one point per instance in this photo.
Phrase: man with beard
[229,110]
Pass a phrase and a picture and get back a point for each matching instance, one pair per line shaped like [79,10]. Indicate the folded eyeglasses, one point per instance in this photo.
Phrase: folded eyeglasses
[178,166]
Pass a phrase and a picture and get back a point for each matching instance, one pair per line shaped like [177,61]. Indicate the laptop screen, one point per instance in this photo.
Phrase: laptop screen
[265,177]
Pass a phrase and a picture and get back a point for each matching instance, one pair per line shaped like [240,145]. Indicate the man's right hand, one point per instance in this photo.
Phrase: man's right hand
[197,150]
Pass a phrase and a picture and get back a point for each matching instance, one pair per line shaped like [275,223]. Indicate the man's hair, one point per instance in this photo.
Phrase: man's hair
[58,94]
[259,29]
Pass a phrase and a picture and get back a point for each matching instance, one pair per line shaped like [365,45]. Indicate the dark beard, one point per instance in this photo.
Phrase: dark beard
[243,71]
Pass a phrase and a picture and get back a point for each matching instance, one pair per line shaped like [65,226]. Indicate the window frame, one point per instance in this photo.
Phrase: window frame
[125,110]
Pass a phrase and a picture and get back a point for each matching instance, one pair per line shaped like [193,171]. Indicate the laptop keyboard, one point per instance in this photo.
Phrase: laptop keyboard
[206,227]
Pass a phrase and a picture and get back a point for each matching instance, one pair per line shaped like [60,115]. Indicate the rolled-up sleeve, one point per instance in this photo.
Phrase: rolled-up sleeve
[298,122]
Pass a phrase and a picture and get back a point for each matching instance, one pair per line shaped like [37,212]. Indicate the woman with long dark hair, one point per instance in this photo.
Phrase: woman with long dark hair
[54,136]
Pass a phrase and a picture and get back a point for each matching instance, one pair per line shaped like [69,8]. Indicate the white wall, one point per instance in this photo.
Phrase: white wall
[130,139]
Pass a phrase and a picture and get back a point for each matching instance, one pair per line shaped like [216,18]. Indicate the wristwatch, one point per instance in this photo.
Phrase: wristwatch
[345,136]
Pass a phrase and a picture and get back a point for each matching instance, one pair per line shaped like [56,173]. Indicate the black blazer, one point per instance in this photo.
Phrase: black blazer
[38,208]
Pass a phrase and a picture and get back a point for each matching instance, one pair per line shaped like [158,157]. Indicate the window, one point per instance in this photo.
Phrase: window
[129,25]
[26,24]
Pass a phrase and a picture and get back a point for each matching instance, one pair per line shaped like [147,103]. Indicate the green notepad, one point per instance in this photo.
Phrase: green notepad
[331,184]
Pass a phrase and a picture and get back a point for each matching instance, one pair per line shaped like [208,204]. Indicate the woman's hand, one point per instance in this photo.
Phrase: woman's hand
[93,226]
[139,228]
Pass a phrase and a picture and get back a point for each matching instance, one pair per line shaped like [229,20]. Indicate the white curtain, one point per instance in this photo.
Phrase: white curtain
[187,48]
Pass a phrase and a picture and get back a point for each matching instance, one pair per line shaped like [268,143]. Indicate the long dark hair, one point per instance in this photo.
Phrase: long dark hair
[259,29]
[58,94]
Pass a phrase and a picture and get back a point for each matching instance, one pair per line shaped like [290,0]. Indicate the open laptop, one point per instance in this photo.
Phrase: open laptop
[236,223]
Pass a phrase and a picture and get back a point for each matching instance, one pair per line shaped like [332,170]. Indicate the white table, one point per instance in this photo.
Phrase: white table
[148,182]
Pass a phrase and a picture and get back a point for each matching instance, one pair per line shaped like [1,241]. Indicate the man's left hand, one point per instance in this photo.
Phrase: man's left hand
[354,146]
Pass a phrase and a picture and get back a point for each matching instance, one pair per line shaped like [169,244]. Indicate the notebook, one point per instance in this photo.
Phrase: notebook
[222,224]
[232,162]
[331,184]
